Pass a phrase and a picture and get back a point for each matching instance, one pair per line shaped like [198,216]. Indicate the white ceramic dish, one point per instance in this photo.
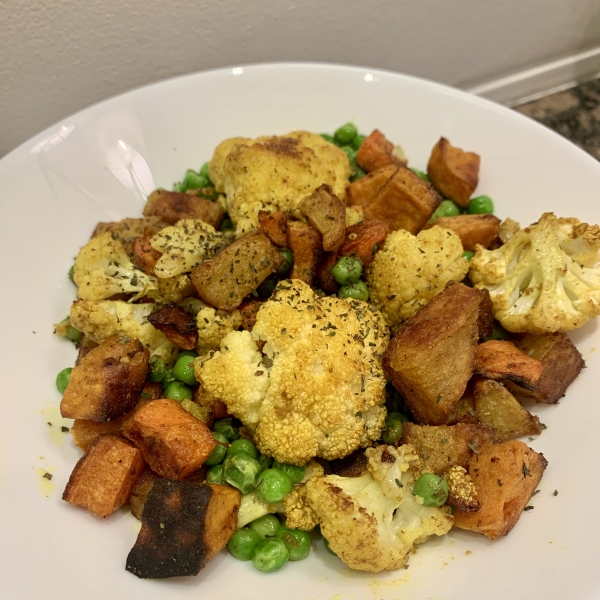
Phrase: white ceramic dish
[99,164]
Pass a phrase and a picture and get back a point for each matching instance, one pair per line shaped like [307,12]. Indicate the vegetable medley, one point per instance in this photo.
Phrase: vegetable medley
[308,339]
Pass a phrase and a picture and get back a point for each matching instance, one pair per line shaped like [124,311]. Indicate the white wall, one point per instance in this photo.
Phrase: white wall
[57,56]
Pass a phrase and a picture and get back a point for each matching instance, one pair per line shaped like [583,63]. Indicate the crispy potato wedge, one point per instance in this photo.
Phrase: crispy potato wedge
[506,476]
[184,525]
[471,229]
[497,407]
[108,381]
[307,247]
[431,359]
[177,325]
[275,226]
[353,465]
[362,191]
[443,446]
[249,310]
[225,280]
[325,280]
[364,239]
[376,152]
[104,476]
[173,206]
[173,442]
[453,172]
[145,256]
[326,214]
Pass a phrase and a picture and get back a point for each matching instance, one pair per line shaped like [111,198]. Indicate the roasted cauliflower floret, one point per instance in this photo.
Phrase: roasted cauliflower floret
[372,522]
[545,278]
[410,270]
[214,325]
[103,269]
[298,513]
[462,492]
[275,173]
[318,389]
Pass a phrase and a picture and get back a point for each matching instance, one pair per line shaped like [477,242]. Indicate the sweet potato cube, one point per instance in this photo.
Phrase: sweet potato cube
[177,325]
[376,152]
[443,446]
[497,407]
[104,476]
[145,256]
[275,226]
[173,206]
[404,202]
[325,280]
[431,359]
[108,381]
[184,525]
[307,247]
[225,280]
[363,190]
[127,230]
[363,240]
[140,491]
[326,214]
[506,475]
[485,322]
[249,309]
[471,229]
[173,442]
[453,172]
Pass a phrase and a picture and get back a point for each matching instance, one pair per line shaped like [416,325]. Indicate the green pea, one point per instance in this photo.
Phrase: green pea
[220,452]
[270,555]
[392,431]
[358,291]
[347,269]
[328,138]
[157,370]
[72,273]
[358,174]
[73,334]
[167,380]
[446,208]
[204,171]
[184,369]
[482,205]
[350,153]
[422,175]
[288,261]
[296,474]
[266,288]
[264,461]
[226,224]
[194,181]
[265,526]
[178,391]
[227,428]
[242,446]
[62,379]
[297,542]
[243,543]
[241,472]
[467,254]
[358,140]
[328,547]
[273,486]
[215,474]
[433,489]
[346,133]
[498,333]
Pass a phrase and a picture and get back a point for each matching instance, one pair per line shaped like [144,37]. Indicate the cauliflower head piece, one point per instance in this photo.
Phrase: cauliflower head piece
[275,173]
[372,522]
[545,278]
[317,388]
[410,270]
[103,269]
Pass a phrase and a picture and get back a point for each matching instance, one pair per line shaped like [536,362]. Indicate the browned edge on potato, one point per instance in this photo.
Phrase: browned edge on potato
[174,206]
[326,213]
[307,248]
[364,239]
[275,226]
[376,152]
[179,327]
[471,229]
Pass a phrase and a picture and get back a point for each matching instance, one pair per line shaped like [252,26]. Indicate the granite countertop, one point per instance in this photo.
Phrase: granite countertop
[574,113]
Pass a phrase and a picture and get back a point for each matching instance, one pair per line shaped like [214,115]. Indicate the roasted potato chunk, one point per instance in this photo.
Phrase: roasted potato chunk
[485,323]
[471,229]
[362,191]
[249,310]
[453,172]
[104,476]
[325,280]
[177,325]
[363,240]
[184,525]
[431,359]
[225,280]
[173,206]
[129,229]
[85,431]
[326,214]
[444,446]
[140,491]
[145,256]
[506,476]
[108,381]
[307,247]
[275,226]
[173,442]
[376,152]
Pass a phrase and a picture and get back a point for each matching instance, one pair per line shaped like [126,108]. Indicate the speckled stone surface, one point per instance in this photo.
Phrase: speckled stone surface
[574,113]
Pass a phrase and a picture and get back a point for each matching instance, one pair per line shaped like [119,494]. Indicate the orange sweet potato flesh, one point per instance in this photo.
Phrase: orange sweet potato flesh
[307,246]
[275,226]
[363,190]
[145,256]
[364,239]
[173,206]
[326,214]
[471,229]
[376,152]
[179,327]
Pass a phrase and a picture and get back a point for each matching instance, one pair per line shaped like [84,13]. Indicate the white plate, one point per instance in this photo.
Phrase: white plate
[99,164]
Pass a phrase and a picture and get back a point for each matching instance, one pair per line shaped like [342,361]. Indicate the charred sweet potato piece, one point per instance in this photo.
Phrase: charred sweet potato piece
[177,325]
[497,407]
[471,229]
[145,256]
[404,202]
[249,310]
[364,239]
[173,442]
[225,280]
[363,190]
[353,465]
[325,280]
[173,206]
[561,363]
[326,214]
[275,226]
[431,359]
[307,247]
[108,381]
[501,359]
[453,172]
[104,476]
[506,475]
[184,525]
[376,152]
[443,446]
